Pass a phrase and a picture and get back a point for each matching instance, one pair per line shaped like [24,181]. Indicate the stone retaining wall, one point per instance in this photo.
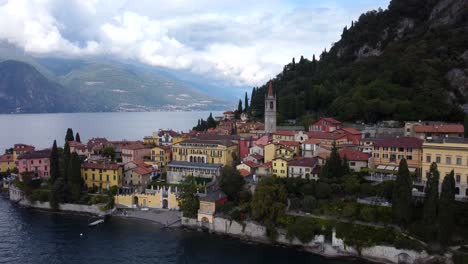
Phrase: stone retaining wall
[255,232]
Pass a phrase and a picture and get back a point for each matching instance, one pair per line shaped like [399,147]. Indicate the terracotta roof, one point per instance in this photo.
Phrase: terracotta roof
[23,147]
[330,120]
[311,141]
[440,128]
[251,164]
[399,142]
[303,162]
[101,166]
[324,155]
[134,146]
[76,144]
[217,137]
[325,135]
[199,141]
[142,170]
[244,173]
[289,143]
[36,154]
[228,113]
[266,164]
[353,155]
[256,156]
[6,158]
[285,133]
[263,140]
[351,131]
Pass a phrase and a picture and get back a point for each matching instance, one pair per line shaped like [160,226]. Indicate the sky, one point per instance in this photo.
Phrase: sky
[242,42]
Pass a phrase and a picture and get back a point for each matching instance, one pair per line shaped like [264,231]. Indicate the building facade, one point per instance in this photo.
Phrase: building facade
[449,154]
[388,153]
[101,176]
[270,111]
[205,151]
[161,156]
[306,168]
[7,163]
[35,162]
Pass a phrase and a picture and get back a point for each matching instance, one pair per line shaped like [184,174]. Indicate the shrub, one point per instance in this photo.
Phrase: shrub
[295,204]
[309,203]
[41,195]
[367,214]
[304,229]
[350,211]
[322,190]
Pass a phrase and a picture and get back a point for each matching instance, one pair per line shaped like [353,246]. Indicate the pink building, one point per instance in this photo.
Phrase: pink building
[135,151]
[36,162]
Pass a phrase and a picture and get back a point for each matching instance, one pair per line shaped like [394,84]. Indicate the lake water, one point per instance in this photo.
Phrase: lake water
[36,237]
[40,130]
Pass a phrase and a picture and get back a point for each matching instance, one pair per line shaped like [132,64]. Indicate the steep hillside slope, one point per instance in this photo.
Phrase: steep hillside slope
[24,89]
[408,62]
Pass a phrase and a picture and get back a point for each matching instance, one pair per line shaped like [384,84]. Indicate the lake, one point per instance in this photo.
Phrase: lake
[36,237]
[40,130]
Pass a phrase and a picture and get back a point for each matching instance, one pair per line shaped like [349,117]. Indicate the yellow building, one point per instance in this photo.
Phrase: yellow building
[207,208]
[160,198]
[151,141]
[19,149]
[161,155]
[269,152]
[7,162]
[205,151]
[280,167]
[449,154]
[284,135]
[388,152]
[101,176]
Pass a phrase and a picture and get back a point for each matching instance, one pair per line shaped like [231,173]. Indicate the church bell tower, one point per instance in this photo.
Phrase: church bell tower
[270,111]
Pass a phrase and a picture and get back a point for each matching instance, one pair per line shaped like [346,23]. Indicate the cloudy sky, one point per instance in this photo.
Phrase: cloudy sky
[243,42]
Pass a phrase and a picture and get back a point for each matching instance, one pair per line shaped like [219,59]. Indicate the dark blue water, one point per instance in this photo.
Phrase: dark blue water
[36,237]
[40,130]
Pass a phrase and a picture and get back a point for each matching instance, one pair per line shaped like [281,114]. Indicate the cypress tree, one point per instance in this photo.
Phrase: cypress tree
[57,193]
[77,137]
[69,135]
[446,210]
[211,123]
[246,103]
[75,181]
[431,202]
[402,192]
[466,126]
[54,164]
[65,161]
[239,106]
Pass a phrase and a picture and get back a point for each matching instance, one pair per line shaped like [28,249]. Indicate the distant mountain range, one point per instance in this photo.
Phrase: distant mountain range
[30,85]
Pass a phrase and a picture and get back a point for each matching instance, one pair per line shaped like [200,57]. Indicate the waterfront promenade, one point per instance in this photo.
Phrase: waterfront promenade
[167,218]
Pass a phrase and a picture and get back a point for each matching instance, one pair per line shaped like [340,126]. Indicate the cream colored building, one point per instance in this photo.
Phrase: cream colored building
[449,154]
[159,198]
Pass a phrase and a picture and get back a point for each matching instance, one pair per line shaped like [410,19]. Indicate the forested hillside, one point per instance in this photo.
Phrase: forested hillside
[408,62]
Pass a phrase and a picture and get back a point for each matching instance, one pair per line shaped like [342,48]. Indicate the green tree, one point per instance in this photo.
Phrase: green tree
[351,184]
[57,194]
[334,166]
[54,164]
[211,122]
[231,182]
[466,125]
[109,152]
[402,195]
[188,200]
[323,190]
[69,135]
[431,202]
[77,137]
[269,201]
[65,161]
[446,210]
[75,181]
[246,103]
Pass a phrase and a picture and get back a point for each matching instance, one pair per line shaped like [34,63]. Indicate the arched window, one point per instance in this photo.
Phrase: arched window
[271,105]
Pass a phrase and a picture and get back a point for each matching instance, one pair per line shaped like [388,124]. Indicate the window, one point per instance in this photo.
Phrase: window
[428,159]
[115,178]
[458,178]
[459,161]
[352,163]
[448,160]
[376,148]
[401,149]
[409,157]
[107,177]
[385,156]
[271,105]
[409,150]
[438,159]
[393,149]
[385,148]
[40,161]
[93,177]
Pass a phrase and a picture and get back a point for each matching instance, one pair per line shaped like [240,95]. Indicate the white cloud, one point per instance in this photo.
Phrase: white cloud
[243,42]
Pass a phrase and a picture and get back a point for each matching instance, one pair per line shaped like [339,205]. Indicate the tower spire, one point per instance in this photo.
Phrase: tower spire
[270,89]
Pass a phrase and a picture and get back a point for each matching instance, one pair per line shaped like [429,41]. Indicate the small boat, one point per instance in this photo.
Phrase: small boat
[95,223]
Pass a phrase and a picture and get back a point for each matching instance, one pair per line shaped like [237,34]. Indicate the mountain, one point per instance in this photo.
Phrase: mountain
[103,84]
[408,62]
[24,89]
